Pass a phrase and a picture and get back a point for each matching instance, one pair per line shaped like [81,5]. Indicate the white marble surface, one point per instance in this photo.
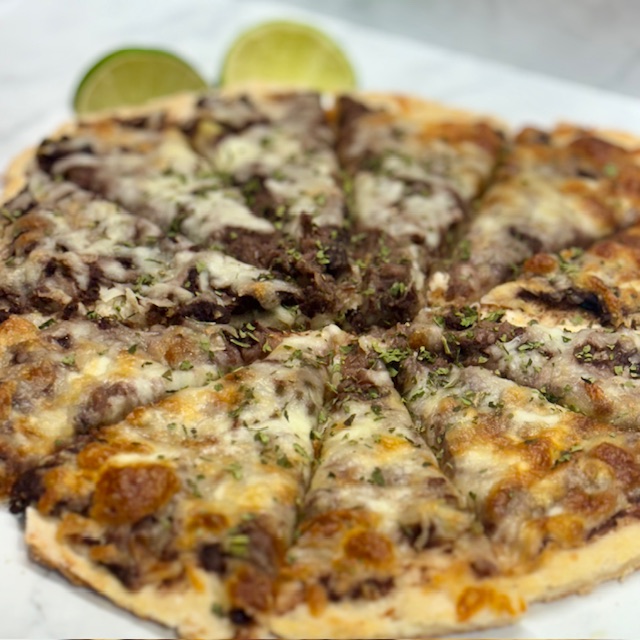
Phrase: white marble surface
[45,46]
[594,42]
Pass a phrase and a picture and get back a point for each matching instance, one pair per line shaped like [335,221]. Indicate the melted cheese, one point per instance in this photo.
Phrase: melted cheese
[551,195]
[607,273]
[241,450]
[379,512]
[382,203]
[291,153]
[55,392]
[519,458]
[201,207]
[425,172]
[591,371]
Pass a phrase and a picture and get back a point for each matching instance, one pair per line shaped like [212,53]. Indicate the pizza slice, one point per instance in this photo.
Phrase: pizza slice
[385,546]
[145,162]
[593,371]
[61,380]
[60,245]
[278,149]
[555,491]
[183,511]
[66,251]
[413,167]
[569,187]
[602,282]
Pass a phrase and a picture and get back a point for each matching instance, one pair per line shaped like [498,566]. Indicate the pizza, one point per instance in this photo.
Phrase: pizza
[282,364]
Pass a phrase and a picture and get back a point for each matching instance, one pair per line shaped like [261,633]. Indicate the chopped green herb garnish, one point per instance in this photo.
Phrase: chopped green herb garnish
[610,170]
[284,462]
[565,456]
[397,289]
[298,448]
[377,478]
[468,317]
[235,469]
[237,545]
[47,323]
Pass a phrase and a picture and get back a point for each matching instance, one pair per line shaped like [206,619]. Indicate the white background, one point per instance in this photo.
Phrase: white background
[45,45]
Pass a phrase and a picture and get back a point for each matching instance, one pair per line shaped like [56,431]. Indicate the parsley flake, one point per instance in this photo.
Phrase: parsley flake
[377,478]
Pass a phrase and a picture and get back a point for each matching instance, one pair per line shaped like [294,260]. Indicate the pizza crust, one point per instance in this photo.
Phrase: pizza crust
[15,177]
[562,573]
[407,613]
[425,111]
[577,571]
[190,614]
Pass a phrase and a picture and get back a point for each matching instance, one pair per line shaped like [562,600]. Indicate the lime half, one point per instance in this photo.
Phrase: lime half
[133,76]
[288,53]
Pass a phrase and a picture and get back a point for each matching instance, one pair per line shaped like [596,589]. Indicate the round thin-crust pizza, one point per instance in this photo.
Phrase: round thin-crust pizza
[290,365]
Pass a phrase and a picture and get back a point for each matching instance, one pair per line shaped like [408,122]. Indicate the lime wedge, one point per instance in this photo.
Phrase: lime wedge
[130,77]
[288,53]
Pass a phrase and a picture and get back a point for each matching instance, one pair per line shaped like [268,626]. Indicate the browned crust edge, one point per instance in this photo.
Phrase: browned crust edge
[612,556]
[561,573]
[192,617]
